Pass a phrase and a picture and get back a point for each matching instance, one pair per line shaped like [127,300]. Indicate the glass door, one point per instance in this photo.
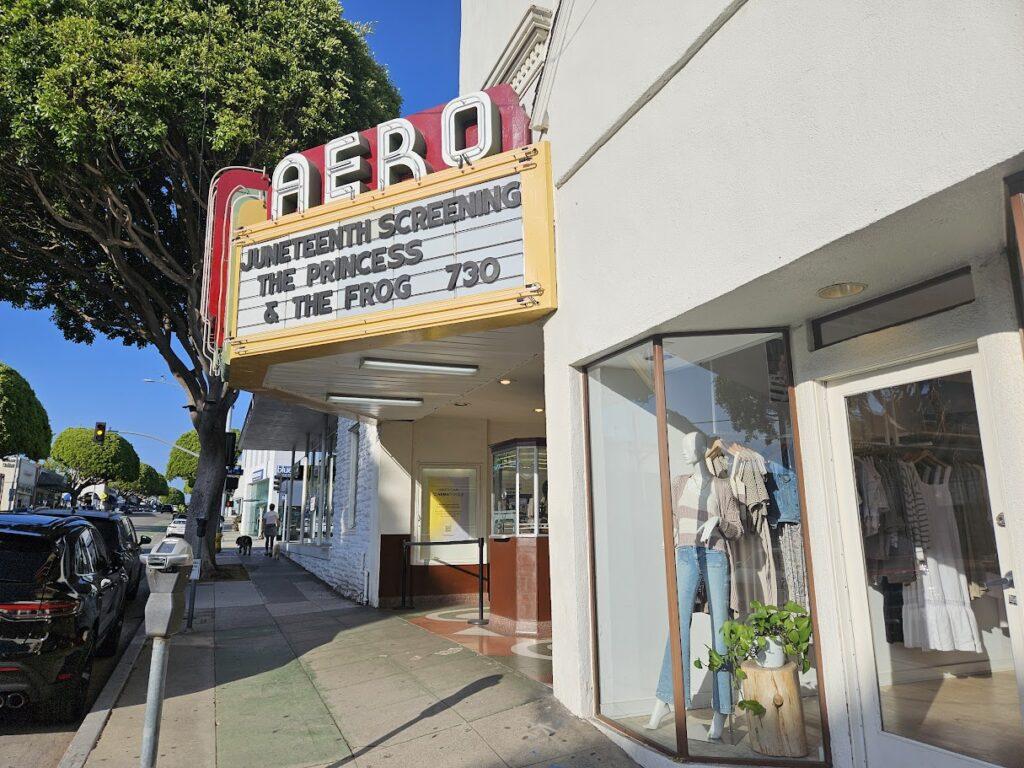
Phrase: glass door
[937,626]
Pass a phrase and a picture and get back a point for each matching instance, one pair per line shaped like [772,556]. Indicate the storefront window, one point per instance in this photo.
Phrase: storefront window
[630,588]
[717,540]
[737,533]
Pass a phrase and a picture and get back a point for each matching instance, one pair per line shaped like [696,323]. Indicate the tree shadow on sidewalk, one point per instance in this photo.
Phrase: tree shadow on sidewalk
[434,709]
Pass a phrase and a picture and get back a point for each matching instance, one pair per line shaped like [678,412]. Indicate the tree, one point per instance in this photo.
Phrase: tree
[185,465]
[148,483]
[174,497]
[113,118]
[24,425]
[86,462]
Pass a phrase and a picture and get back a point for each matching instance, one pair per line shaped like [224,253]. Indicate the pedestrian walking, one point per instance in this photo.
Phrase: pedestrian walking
[269,530]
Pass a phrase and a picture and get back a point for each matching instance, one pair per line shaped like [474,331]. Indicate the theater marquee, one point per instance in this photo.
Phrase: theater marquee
[455,251]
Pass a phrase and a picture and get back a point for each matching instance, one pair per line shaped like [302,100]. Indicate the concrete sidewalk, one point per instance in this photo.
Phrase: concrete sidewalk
[279,671]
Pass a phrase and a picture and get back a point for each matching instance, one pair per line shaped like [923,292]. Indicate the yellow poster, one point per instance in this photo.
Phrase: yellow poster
[448,507]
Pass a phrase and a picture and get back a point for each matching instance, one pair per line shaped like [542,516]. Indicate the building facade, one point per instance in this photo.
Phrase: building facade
[784,367]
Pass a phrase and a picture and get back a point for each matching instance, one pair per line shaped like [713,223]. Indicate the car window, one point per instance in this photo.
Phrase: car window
[25,558]
[128,532]
[109,533]
[99,551]
[84,564]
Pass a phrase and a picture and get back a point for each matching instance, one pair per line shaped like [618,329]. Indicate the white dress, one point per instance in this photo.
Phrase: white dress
[937,613]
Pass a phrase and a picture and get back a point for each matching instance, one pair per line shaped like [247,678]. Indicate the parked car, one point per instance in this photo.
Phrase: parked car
[177,526]
[62,602]
[164,509]
[120,538]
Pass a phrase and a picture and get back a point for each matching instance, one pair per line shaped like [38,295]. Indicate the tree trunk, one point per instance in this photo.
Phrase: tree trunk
[207,492]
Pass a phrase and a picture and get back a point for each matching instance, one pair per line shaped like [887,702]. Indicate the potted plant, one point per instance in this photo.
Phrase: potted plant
[767,640]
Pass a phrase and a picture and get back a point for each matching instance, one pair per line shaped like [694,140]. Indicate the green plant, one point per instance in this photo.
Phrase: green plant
[24,425]
[790,625]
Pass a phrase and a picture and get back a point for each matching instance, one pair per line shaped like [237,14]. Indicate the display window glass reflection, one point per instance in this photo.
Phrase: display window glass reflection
[718,537]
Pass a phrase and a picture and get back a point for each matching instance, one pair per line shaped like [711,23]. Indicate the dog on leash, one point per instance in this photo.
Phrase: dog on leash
[277,550]
[244,544]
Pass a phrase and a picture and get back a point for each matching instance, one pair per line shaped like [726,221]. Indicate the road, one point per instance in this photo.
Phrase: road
[25,743]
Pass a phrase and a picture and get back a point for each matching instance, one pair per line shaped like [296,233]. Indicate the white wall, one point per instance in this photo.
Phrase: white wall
[349,562]
[794,125]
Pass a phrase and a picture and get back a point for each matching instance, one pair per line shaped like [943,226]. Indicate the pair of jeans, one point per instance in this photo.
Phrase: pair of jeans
[693,565]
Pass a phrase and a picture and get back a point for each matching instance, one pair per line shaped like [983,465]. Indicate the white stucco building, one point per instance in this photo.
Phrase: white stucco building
[787,244]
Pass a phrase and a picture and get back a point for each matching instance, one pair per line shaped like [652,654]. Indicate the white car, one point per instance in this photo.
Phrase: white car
[177,526]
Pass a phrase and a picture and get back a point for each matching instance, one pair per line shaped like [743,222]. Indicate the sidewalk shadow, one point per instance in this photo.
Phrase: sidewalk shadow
[434,709]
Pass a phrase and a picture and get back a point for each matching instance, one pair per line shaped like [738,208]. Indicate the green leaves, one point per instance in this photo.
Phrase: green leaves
[88,462]
[791,625]
[148,483]
[24,425]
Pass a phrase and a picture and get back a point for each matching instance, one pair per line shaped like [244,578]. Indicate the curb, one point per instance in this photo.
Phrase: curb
[92,726]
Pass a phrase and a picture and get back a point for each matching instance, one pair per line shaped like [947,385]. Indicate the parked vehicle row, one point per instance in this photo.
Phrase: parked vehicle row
[65,579]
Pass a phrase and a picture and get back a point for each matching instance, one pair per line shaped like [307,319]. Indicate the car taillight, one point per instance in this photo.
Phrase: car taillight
[37,610]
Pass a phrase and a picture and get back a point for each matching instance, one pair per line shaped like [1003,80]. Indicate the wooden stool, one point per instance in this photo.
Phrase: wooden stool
[780,731]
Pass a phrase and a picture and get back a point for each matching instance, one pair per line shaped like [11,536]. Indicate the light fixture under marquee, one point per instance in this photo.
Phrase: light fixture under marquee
[412,366]
[374,400]
[504,382]
[841,290]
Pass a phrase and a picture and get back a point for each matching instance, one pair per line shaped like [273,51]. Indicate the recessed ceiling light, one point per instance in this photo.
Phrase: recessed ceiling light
[504,382]
[841,290]
[460,405]
[415,366]
[538,410]
[374,400]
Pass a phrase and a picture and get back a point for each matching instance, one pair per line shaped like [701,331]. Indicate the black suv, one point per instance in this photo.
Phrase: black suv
[118,532]
[62,602]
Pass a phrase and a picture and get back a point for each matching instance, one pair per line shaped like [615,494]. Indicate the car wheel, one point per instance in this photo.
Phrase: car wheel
[109,645]
[68,705]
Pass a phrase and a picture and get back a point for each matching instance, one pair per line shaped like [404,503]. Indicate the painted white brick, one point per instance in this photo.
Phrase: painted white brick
[349,563]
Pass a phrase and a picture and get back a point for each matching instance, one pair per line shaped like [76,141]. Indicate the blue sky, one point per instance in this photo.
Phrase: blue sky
[80,384]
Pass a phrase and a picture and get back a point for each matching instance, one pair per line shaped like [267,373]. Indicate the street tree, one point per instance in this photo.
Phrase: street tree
[174,497]
[184,464]
[148,483]
[113,118]
[86,462]
[24,425]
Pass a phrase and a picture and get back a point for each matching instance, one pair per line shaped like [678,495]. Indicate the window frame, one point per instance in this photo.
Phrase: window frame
[682,752]
[352,491]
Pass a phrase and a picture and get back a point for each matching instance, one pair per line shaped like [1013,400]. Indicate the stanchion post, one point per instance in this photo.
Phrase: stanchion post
[479,620]
[405,555]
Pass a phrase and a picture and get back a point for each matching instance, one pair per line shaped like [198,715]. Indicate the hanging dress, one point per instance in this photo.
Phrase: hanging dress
[937,613]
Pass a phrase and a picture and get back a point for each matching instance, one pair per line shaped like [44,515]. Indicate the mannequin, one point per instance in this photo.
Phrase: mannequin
[698,500]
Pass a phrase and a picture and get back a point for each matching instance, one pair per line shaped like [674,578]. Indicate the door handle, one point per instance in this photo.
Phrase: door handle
[1006,582]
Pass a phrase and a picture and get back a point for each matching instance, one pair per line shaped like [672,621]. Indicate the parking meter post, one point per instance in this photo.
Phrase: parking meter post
[154,702]
[167,570]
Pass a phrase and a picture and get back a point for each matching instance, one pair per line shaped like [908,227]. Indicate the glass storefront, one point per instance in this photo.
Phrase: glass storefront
[934,579]
[519,487]
[703,608]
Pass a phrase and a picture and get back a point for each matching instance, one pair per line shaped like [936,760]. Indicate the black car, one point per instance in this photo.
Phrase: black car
[118,532]
[62,602]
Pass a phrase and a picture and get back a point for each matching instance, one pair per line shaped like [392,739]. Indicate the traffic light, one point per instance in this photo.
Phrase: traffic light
[231,483]
[230,440]
[277,483]
[100,432]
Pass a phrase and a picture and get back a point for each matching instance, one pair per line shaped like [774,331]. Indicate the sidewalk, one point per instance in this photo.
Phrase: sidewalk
[279,671]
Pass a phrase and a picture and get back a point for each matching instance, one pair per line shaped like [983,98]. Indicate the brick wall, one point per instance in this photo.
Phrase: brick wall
[354,547]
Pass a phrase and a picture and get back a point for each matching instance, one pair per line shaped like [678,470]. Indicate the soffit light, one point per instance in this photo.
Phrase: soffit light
[418,367]
[374,400]
[504,382]
[460,405]
[538,410]
[841,290]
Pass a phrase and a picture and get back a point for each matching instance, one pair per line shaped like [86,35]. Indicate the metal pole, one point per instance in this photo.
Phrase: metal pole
[405,554]
[194,579]
[154,702]
[479,620]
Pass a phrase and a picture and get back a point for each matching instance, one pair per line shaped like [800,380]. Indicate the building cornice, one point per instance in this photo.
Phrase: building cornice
[519,63]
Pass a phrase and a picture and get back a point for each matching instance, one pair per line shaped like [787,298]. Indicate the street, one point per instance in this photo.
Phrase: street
[27,743]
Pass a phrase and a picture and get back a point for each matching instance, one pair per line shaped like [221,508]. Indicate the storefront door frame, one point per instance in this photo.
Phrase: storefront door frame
[877,747]
[682,753]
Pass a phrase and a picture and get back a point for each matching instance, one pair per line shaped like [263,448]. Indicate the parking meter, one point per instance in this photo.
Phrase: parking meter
[167,569]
